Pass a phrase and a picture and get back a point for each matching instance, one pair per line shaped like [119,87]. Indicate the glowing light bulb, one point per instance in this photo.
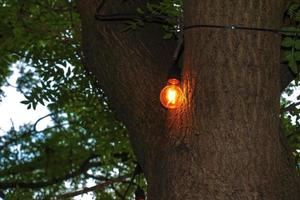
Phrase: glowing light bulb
[171,96]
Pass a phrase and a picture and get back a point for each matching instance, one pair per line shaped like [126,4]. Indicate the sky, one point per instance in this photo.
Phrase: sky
[12,112]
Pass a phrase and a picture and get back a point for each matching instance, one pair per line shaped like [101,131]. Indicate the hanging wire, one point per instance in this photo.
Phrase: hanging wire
[179,49]
[175,70]
[235,27]
[165,20]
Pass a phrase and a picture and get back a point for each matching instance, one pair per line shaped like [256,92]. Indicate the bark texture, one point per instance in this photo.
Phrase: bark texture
[224,143]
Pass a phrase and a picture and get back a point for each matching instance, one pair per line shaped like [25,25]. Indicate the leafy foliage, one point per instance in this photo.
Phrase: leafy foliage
[291,41]
[84,142]
[169,12]
[290,121]
[290,115]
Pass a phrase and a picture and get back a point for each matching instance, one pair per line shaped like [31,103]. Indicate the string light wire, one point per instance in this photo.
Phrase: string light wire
[235,27]
[165,20]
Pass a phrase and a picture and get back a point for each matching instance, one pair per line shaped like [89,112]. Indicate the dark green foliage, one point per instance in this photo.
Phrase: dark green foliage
[84,139]
[168,11]
[290,121]
[290,115]
[291,41]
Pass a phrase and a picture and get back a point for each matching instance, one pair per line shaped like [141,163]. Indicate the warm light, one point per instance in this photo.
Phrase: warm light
[171,96]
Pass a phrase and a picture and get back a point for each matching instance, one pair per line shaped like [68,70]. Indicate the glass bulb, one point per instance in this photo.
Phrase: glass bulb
[171,96]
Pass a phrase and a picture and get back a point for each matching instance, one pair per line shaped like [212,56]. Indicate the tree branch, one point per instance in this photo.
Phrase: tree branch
[85,166]
[93,188]
[40,119]
[98,178]
[8,141]
[103,178]
[290,107]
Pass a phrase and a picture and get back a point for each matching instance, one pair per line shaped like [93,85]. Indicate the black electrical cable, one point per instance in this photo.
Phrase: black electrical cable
[175,70]
[178,51]
[234,27]
[165,20]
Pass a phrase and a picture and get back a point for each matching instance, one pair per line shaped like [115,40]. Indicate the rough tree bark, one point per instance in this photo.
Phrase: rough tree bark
[224,143]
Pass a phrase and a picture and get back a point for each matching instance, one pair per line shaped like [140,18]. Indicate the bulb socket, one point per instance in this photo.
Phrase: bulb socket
[175,73]
[139,194]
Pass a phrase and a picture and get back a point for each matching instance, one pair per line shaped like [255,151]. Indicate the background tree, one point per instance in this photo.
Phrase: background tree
[231,79]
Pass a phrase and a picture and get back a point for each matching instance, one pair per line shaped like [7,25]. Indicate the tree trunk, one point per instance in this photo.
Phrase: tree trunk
[224,142]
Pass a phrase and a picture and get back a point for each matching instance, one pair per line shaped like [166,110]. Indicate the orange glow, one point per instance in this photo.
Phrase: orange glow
[173,81]
[171,95]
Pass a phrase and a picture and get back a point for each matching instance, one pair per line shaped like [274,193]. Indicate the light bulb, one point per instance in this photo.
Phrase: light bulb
[171,96]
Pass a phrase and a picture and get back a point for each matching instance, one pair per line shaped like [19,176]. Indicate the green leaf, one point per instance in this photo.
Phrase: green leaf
[297,44]
[293,66]
[139,10]
[287,42]
[168,36]
[29,106]
[68,72]
[34,104]
[296,55]
[287,55]
[25,102]
[139,22]
[290,31]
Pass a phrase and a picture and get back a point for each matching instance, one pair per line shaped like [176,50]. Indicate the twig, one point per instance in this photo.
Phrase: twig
[85,166]
[40,119]
[93,188]
[290,107]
